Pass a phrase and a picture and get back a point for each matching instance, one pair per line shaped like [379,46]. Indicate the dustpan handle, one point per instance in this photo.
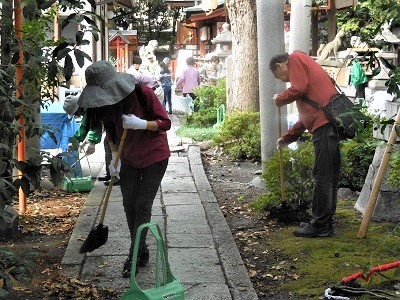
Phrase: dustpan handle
[110,185]
[154,228]
[78,160]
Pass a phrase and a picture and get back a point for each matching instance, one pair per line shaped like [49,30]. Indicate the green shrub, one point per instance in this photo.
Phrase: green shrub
[357,155]
[356,158]
[209,98]
[394,171]
[210,95]
[204,118]
[298,165]
[239,136]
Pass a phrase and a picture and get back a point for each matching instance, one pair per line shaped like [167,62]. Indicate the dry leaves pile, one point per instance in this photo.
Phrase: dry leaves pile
[46,227]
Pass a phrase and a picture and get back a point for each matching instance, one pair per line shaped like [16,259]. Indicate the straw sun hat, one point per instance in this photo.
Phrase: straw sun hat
[105,86]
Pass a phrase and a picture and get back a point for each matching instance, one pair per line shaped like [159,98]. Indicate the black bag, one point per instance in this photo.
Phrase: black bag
[342,112]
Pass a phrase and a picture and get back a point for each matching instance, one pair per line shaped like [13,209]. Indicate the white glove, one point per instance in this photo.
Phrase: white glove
[114,171]
[133,122]
[90,148]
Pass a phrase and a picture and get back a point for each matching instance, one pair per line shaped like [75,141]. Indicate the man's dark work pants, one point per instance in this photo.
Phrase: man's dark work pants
[325,175]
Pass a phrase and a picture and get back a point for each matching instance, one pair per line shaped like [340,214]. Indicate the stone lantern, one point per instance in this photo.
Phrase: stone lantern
[223,40]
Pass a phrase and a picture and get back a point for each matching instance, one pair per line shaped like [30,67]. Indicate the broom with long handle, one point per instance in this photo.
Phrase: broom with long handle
[98,236]
[281,165]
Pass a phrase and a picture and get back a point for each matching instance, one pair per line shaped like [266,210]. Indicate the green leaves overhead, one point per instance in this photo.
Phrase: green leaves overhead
[59,48]
[63,53]
[80,57]
[46,64]
[43,4]
[68,67]
[52,71]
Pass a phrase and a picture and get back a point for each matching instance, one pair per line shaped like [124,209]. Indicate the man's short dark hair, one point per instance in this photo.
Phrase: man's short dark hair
[190,61]
[136,60]
[280,58]
[215,59]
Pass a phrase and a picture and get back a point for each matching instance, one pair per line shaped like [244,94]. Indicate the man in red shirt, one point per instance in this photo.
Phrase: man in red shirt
[309,80]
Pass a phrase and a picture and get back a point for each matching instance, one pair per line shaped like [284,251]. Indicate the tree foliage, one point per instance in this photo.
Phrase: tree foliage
[45,64]
[149,18]
[366,20]
[367,17]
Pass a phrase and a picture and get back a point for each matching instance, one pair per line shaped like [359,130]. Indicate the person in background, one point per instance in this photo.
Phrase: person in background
[152,67]
[308,79]
[92,137]
[166,83]
[141,77]
[113,100]
[212,70]
[144,77]
[167,61]
[358,79]
[190,78]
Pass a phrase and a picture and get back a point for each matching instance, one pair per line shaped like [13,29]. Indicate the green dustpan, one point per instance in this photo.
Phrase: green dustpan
[168,287]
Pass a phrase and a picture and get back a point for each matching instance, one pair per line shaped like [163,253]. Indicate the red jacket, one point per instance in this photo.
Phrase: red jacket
[307,78]
[144,147]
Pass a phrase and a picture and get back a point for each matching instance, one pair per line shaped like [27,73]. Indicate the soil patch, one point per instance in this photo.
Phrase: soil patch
[46,228]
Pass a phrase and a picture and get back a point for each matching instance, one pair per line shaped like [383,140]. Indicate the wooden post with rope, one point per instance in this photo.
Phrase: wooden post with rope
[378,180]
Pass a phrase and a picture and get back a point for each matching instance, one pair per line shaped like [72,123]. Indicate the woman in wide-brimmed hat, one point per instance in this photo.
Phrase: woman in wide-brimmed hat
[117,102]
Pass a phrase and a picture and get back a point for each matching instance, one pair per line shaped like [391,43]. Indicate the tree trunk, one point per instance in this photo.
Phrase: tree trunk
[244,93]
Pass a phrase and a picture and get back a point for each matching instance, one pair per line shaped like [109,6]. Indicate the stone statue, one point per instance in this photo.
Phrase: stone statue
[224,36]
[332,47]
[149,60]
[355,42]
[145,50]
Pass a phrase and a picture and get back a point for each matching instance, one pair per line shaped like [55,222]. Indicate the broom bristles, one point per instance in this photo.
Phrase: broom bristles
[97,237]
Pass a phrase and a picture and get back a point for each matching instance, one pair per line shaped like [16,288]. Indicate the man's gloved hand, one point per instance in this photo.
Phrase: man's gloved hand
[91,148]
[114,171]
[280,143]
[133,122]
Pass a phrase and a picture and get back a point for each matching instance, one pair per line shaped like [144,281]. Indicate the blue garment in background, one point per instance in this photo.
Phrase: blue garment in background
[61,126]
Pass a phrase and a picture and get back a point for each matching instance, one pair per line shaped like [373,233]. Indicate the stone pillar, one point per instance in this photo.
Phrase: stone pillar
[270,32]
[300,25]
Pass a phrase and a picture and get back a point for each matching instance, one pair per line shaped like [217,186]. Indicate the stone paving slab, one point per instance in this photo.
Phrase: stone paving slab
[181,198]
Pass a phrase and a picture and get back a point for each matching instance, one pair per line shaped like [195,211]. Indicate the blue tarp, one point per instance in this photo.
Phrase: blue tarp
[61,126]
